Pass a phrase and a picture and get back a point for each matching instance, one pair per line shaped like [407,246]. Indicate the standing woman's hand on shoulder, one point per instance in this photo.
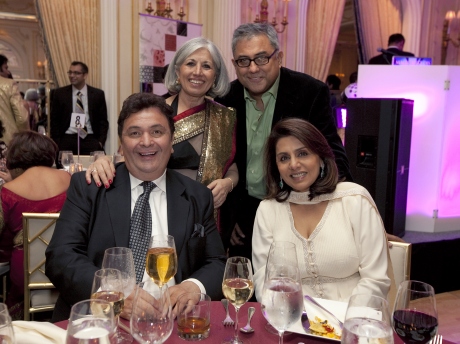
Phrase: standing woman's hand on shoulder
[102,171]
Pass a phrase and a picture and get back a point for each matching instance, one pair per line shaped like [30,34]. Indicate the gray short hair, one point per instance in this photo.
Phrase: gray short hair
[221,85]
[249,30]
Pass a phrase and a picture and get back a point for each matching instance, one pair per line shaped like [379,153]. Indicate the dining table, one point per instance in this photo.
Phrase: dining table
[218,331]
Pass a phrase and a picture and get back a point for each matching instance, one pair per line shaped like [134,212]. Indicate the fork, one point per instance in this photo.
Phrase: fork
[228,321]
[437,339]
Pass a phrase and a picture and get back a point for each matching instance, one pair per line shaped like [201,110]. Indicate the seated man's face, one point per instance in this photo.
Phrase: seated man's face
[4,72]
[146,142]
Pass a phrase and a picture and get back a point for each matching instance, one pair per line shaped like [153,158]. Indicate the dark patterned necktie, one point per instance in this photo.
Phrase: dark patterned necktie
[79,108]
[141,230]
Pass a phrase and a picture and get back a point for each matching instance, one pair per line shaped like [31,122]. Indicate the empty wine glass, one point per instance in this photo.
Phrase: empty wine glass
[6,328]
[67,160]
[282,301]
[60,156]
[151,319]
[367,320]
[91,321]
[415,318]
[161,262]
[238,287]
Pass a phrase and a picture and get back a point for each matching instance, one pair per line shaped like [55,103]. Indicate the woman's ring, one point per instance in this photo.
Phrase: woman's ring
[93,170]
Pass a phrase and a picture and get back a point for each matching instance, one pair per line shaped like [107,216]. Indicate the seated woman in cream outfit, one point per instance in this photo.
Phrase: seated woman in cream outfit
[204,146]
[338,233]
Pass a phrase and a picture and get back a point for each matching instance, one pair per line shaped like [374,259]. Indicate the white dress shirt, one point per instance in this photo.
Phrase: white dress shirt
[159,207]
[84,99]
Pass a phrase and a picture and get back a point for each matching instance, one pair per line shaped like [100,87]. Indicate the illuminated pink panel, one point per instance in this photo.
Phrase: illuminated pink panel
[433,202]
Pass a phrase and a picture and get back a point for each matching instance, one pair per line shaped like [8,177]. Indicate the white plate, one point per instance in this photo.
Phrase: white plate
[335,307]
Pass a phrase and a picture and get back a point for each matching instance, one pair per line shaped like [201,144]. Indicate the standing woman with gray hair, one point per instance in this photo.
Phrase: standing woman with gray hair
[204,146]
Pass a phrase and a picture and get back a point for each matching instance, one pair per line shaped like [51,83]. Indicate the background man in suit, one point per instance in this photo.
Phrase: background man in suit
[64,103]
[264,93]
[13,114]
[395,48]
[94,219]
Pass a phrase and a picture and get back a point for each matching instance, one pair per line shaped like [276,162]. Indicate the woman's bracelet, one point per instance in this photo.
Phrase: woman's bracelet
[231,181]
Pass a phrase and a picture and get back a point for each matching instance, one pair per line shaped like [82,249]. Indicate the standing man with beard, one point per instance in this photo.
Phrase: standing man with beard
[265,93]
[79,98]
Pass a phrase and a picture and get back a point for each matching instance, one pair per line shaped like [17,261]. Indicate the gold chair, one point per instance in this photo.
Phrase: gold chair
[39,293]
[4,273]
[400,255]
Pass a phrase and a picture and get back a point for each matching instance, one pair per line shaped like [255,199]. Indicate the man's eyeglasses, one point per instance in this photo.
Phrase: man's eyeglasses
[74,73]
[259,60]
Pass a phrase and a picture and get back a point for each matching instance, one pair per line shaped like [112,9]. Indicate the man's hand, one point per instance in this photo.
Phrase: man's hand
[179,289]
[237,235]
[128,307]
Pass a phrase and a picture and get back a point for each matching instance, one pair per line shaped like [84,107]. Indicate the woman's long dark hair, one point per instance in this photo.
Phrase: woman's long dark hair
[314,141]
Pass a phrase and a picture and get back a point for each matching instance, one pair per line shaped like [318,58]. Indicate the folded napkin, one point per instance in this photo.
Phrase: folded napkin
[27,332]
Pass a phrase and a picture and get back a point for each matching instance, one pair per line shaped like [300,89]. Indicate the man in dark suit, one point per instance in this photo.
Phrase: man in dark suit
[94,219]
[64,103]
[395,48]
[265,93]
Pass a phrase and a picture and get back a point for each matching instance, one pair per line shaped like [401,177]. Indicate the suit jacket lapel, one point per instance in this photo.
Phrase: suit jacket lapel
[285,99]
[68,106]
[119,202]
[177,224]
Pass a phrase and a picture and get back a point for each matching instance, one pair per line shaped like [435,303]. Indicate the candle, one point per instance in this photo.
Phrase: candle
[276,7]
[257,7]
[449,16]
[285,8]
[182,3]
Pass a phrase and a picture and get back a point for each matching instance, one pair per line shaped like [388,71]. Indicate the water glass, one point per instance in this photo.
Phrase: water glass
[367,320]
[91,321]
[97,154]
[60,156]
[151,319]
[194,316]
[67,160]
[6,328]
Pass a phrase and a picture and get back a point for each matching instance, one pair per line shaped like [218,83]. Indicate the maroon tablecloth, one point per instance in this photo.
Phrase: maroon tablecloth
[260,335]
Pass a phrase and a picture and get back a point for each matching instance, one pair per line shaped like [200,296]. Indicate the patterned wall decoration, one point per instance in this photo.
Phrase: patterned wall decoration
[159,39]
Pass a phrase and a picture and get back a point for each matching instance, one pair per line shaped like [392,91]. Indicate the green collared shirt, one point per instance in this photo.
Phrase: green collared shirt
[259,125]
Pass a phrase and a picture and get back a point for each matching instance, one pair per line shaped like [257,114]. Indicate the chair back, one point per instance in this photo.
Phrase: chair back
[39,293]
[400,255]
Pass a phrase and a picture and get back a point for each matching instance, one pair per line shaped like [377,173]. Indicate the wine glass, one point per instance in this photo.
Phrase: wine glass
[6,328]
[98,154]
[67,160]
[238,287]
[283,253]
[367,320]
[415,318]
[282,301]
[121,258]
[151,319]
[91,321]
[161,262]
[60,156]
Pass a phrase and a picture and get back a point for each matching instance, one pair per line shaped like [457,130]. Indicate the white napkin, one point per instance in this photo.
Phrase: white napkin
[27,332]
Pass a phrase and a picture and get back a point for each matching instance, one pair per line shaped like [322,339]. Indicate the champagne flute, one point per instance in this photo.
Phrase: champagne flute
[161,262]
[238,287]
[121,258]
[367,320]
[151,320]
[91,321]
[282,301]
[415,318]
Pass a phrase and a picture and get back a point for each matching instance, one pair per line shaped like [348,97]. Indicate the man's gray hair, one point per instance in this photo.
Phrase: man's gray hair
[221,85]
[250,30]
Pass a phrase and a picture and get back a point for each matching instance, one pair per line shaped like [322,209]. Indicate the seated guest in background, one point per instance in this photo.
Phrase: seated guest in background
[94,219]
[5,175]
[338,233]
[36,187]
[204,146]
[395,48]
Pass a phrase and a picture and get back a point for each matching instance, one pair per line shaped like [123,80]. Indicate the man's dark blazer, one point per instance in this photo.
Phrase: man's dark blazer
[94,219]
[62,108]
[299,95]
[385,58]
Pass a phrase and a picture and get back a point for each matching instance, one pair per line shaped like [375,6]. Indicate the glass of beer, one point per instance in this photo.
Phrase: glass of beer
[194,316]
[161,262]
